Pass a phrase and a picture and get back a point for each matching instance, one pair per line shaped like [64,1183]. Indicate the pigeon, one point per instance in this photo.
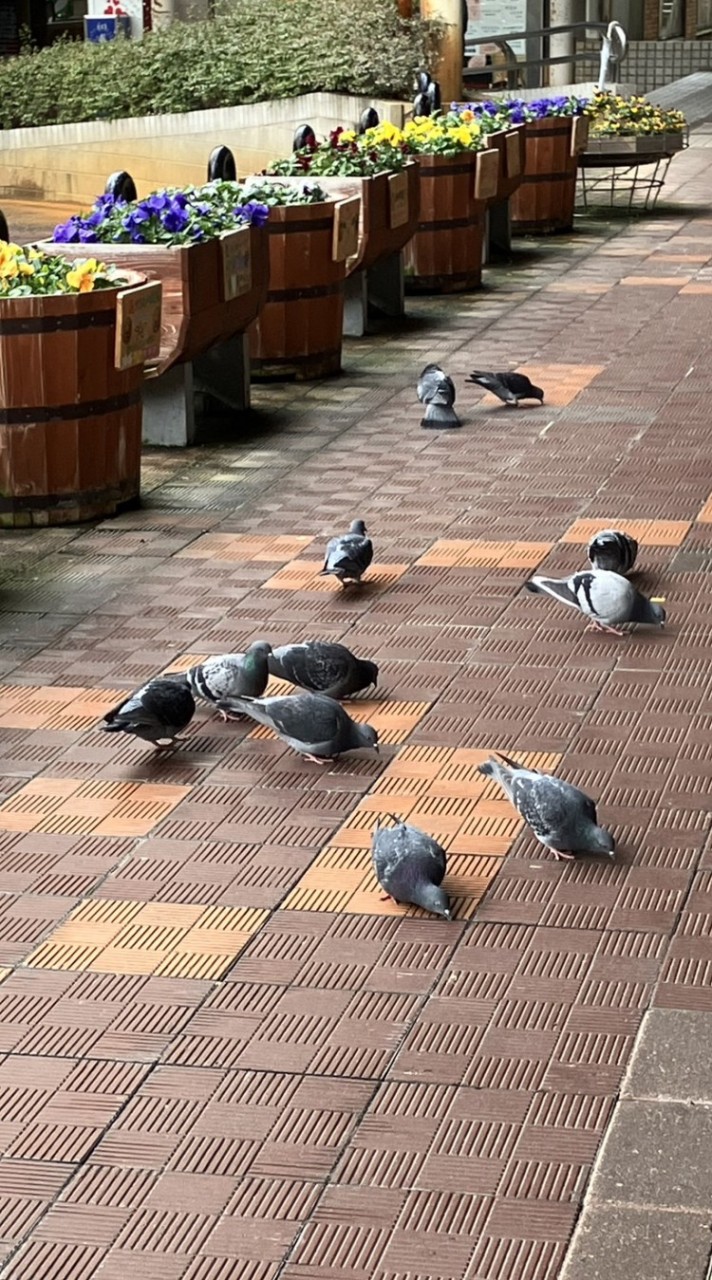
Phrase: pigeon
[322,667]
[410,866]
[509,387]
[613,550]
[437,391]
[157,711]
[310,723]
[231,674]
[349,555]
[560,816]
[605,598]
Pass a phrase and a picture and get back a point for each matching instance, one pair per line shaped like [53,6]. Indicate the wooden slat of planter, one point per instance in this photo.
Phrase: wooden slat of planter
[298,332]
[545,200]
[509,143]
[445,254]
[377,239]
[70,422]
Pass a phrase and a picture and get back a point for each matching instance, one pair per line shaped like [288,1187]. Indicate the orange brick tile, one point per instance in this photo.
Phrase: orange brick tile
[656,533]
[303,575]
[241,548]
[705,515]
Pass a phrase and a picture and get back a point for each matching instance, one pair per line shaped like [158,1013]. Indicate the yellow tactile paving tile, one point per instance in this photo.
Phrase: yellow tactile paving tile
[694,287]
[304,575]
[395,721]
[652,281]
[654,533]
[73,806]
[475,825]
[185,940]
[54,706]
[241,548]
[459,553]
[705,515]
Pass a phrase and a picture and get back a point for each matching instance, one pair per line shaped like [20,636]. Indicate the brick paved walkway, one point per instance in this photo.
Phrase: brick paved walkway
[223,1056]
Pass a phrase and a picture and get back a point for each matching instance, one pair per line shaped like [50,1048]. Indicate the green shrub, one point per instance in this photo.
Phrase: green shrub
[254,50]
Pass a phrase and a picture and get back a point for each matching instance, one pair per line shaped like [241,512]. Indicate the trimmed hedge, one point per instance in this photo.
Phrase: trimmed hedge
[255,50]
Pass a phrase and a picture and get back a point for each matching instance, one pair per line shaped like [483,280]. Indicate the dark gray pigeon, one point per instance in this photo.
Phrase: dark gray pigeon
[437,391]
[509,387]
[605,598]
[230,675]
[310,723]
[410,866]
[349,555]
[157,712]
[323,667]
[613,550]
[560,816]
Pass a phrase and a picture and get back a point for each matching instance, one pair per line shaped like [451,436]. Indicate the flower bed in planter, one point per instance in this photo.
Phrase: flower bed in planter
[70,421]
[555,132]
[632,126]
[208,247]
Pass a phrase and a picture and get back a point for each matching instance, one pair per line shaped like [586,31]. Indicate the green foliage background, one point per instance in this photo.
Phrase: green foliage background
[254,50]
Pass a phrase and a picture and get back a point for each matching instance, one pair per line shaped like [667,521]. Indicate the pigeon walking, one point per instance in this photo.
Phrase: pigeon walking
[229,675]
[410,866]
[437,391]
[310,723]
[605,598]
[157,712]
[323,667]
[613,550]
[349,555]
[561,817]
[509,387]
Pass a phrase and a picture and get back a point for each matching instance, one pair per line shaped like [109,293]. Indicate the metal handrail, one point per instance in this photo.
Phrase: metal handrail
[612,33]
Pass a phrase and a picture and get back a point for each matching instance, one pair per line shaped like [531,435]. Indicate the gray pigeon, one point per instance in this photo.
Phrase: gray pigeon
[605,598]
[157,711]
[437,391]
[509,387]
[349,555]
[410,866]
[229,675]
[310,723]
[613,550]
[322,667]
[560,816]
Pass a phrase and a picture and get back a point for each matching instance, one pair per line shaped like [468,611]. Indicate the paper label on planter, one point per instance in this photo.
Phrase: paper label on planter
[579,134]
[237,263]
[138,325]
[346,218]
[514,167]
[398,199]
[486,174]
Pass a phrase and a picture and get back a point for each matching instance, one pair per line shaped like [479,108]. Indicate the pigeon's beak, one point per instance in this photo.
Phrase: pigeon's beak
[377,749]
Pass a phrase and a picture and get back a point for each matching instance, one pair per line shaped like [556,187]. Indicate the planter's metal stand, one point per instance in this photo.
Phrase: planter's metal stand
[175,403]
[624,185]
[381,288]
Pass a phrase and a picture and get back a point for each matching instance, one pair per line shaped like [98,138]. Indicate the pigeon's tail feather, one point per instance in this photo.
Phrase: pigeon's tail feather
[511,764]
[532,585]
[398,821]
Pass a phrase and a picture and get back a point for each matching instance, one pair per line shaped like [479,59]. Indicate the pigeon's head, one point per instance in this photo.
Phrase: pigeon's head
[260,649]
[649,611]
[366,735]
[358,526]
[601,842]
[433,898]
[368,674]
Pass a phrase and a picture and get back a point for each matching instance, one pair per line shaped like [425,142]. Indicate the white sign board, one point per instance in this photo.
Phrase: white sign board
[495,17]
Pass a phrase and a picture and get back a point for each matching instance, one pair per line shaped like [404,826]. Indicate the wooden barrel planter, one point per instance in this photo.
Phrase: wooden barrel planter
[545,200]
[390,209]
[445,254]
[510,145]
[298,333]
[196,314]
[70,421]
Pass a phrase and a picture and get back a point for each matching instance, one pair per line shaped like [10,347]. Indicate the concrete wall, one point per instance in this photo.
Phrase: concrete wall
[72,162]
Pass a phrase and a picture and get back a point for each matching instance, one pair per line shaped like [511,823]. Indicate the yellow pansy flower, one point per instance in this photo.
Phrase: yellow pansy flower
[81,277]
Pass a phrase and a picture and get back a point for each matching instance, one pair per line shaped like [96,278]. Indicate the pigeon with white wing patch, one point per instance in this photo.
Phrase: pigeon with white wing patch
[437,390]
[610,549]
[561,817]
[606,599]
[230,675]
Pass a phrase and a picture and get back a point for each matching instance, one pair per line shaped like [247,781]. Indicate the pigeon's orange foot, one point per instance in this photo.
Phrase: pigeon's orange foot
[317,759]
[386,897]
[565,857]
[601,626]
[227,715]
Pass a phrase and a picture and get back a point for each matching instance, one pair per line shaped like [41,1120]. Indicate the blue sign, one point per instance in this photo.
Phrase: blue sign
[97,30]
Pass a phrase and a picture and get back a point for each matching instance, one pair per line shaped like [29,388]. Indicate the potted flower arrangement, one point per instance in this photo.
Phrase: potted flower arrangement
[505,135]
[632,126]
[70,419]
[385,178]
[445,254]
[207,245]
[555,132]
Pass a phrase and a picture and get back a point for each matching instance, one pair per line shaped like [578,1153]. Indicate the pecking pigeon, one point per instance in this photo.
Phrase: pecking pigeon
[410,866]
[560,816]
[437,391]
[349,555]
[157,711]
[509,387]
[310,723]
[613,550]
[605,598]
[229,675]
[323,667]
